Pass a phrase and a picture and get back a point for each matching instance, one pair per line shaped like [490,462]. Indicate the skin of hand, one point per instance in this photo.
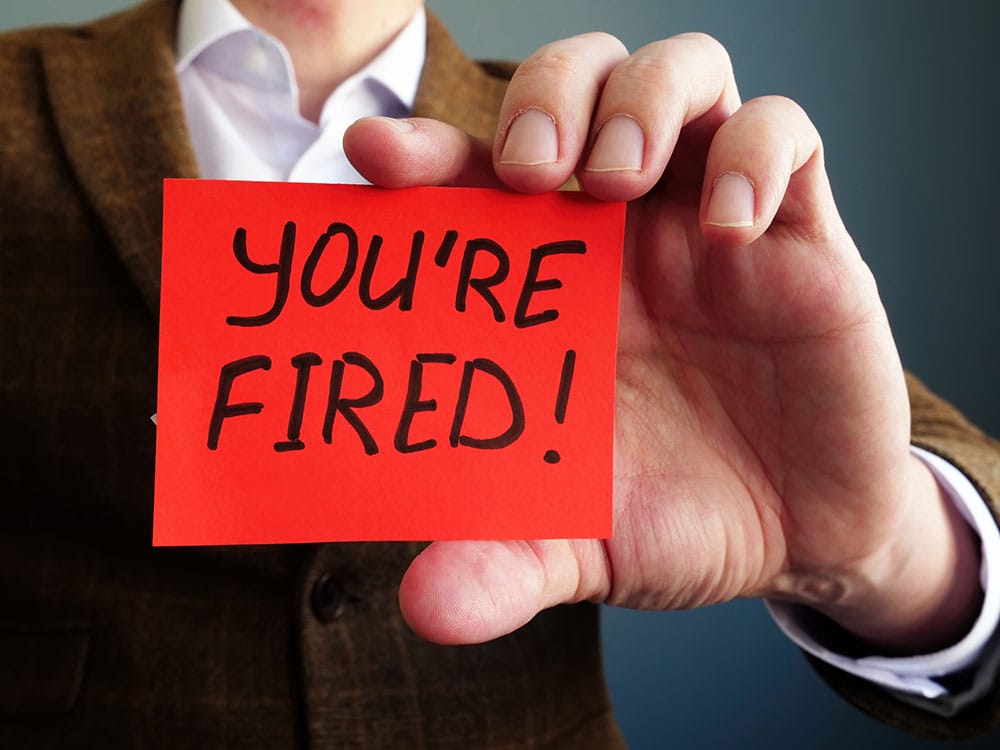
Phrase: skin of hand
[762,419]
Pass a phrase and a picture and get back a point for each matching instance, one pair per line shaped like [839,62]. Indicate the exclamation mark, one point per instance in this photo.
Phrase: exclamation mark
[562,398]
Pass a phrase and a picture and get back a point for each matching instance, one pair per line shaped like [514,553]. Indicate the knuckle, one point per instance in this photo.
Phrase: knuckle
[706,41]
[648,69]
[705,46]
[650,72]
[776,124]
[571,56]
[767,135]
[717,50]
[675,61]
[779,106]
[604,39]
[548,62]
[775,114]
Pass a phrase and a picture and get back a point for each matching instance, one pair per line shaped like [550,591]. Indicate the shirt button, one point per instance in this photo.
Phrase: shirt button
[328,598]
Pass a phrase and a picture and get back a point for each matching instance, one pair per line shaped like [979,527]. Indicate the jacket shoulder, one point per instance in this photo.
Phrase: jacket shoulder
[26,43]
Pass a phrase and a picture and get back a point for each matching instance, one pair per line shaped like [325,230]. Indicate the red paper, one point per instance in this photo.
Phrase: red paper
[316,384]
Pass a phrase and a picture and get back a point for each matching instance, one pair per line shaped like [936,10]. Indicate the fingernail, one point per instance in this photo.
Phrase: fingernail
[531,140]
[619,147]
[400,123]
[732,203]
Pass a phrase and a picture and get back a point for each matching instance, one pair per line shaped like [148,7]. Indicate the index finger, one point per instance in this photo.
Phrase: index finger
[584,98]
[684,81]
[545,118]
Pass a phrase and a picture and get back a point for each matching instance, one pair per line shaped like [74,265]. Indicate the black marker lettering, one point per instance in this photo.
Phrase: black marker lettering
[444,250]
[512,433]
[283,269]
[346,406]
[562,398]
[482,285]
[532,284]
[303,363]
[402,289]
[350,263]
[565,383]
[413,404]
[223,408]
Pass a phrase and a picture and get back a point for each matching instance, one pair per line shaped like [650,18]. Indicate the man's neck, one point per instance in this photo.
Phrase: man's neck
[328,40]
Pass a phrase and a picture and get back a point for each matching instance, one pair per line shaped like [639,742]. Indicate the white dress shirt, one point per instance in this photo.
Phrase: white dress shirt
[944,681]
[241,98]
[242,107]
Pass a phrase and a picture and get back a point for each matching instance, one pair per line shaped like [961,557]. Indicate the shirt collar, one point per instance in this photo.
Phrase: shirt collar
[204,23]
[201,24]
[399,65]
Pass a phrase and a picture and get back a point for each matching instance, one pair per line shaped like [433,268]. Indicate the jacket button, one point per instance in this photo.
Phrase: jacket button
[328,598]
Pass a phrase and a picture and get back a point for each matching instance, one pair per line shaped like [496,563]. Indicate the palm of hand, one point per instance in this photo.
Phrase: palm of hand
[752,417]
[761,416]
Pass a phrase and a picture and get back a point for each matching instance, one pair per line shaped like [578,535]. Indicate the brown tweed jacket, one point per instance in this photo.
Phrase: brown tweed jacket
[105,641]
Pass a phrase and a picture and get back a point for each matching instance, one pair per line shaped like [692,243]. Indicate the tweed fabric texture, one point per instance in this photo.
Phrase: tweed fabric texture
[105,641]
[941,429]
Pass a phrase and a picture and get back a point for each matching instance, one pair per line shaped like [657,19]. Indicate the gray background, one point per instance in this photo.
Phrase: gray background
[903,93]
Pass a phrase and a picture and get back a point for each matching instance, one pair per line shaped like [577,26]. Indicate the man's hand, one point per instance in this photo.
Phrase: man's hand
[762,418]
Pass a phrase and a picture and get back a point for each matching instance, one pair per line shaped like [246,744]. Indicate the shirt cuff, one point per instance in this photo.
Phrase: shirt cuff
[945,681]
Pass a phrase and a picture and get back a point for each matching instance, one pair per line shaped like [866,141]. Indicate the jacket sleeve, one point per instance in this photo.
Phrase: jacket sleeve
[939,428]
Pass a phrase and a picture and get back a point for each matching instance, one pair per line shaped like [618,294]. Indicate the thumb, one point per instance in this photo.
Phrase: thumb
[471,592]
[415,151]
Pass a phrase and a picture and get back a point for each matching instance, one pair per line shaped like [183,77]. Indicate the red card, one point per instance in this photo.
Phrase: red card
[347,363]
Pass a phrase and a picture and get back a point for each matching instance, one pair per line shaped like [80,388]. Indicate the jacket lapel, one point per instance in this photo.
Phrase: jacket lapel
[117,107]
[118,110]
[456,90]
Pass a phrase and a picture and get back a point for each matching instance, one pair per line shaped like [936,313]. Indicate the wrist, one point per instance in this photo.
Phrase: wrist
[920,592]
